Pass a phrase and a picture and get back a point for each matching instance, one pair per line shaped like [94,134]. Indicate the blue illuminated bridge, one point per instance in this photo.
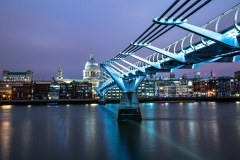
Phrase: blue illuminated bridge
[216,41]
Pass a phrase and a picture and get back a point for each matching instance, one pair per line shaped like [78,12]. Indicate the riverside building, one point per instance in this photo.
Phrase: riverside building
[6,89]
[228,86]
[174,87]
[17,76]
[237,74]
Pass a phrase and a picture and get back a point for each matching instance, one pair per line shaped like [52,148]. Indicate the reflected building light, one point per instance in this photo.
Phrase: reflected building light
[150,105]
[25,137]
[150,129]
[213,104]
[63,133]
[167,127]
[180,128]
[5,140]
[181,105]
[93,105]
[190,105]
[170,142]
[6,107]
[215,134]
[191,126]
[90,131]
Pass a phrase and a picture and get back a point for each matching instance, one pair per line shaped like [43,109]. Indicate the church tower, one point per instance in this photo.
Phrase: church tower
[59,74]
[211,75]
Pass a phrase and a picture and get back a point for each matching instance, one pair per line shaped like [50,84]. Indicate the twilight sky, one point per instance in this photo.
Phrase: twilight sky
[40,35]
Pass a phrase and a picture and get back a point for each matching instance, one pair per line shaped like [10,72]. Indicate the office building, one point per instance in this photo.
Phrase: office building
[17,76]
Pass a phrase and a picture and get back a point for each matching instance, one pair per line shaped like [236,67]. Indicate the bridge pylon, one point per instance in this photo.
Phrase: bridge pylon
[129,105]
[102,100]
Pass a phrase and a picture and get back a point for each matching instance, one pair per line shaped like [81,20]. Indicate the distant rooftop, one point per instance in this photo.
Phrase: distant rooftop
[17,73]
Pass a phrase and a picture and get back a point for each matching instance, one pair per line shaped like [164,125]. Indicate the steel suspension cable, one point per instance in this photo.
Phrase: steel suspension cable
[147,40]
[126,48]
[169,8]
[144,32]
[187,9]
[150,33]
[178,17]
[162,33]
[180,7]
[135,47]
[197,9]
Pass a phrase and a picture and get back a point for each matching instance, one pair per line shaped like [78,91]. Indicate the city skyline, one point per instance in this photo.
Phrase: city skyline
[40,36]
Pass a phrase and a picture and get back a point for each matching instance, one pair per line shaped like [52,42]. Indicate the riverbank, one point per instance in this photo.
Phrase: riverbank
[95,101]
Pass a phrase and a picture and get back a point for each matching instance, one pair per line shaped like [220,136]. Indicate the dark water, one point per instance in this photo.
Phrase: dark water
[204,130]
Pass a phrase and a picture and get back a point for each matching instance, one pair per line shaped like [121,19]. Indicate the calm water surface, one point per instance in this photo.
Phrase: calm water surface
[202,130]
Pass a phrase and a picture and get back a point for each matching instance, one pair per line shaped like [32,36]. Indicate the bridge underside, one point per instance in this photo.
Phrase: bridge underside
[212,53]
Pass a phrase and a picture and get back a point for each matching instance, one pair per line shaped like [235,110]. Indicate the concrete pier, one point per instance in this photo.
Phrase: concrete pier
[129,107]
[102,100]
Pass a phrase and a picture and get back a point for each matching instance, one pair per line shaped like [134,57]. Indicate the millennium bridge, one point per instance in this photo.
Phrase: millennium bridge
[215,41]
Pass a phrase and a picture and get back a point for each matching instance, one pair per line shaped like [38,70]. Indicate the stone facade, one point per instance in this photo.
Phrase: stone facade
[17,76]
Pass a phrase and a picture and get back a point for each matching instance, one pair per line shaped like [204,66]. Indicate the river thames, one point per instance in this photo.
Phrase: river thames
[173,130]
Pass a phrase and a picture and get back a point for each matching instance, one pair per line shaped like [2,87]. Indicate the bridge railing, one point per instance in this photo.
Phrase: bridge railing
[221,24]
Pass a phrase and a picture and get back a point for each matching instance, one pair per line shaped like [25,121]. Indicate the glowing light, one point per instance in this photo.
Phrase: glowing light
[93,105]
[6,107]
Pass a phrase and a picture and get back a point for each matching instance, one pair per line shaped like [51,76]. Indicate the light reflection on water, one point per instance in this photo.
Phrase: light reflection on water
[199,130]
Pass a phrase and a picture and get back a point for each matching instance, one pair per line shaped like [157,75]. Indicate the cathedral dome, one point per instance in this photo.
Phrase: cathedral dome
[91,63]
[91,70]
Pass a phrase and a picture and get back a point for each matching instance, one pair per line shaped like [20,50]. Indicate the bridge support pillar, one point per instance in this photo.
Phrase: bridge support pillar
[102,100]
[129,107]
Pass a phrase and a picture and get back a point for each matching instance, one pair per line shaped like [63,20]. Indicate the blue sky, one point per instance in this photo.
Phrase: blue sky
[40,35]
